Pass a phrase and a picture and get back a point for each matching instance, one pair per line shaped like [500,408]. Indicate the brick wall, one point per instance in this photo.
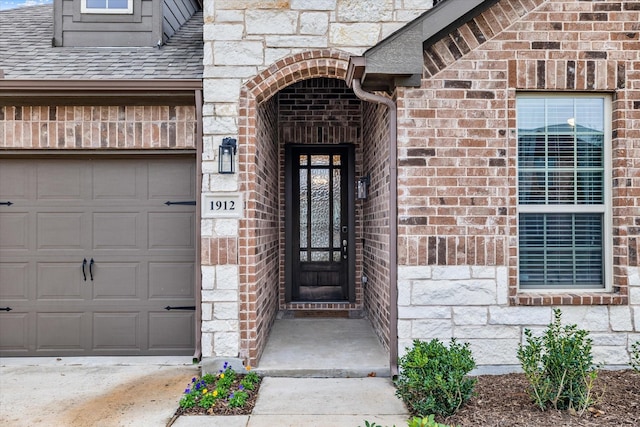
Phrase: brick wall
[375,218]
[259,264]
[108,127]
[457,134]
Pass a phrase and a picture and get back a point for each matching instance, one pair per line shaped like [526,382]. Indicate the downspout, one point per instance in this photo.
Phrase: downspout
[393,218]
[197,355]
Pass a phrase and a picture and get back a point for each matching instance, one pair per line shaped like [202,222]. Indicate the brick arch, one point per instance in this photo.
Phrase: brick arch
[259,90]
[294,68]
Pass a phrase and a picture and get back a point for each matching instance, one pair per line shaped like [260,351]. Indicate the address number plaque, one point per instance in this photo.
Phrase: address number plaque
[222,205]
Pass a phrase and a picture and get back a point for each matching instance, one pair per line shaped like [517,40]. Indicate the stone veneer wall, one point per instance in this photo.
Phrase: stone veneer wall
[93,127]
[253,49]
[458,247]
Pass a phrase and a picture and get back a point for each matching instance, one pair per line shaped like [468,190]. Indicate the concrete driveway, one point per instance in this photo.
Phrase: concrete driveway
[96,392]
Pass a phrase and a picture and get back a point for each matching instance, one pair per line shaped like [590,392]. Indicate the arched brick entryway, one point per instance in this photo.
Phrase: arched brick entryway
[260,233]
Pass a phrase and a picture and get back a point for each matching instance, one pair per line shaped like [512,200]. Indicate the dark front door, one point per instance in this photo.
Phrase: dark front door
[319,223]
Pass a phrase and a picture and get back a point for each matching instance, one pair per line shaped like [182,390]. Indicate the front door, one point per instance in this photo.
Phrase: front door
[320,233]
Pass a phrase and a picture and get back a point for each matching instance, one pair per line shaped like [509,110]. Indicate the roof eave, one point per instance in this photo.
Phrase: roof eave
[398,59]
[99,92]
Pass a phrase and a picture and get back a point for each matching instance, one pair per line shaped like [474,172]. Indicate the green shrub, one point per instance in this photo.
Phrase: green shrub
[433,378]
[635,356]
[415,422]
[425,422]
[559,366]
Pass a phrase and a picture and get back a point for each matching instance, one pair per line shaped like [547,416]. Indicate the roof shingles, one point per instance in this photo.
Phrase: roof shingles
[26,52]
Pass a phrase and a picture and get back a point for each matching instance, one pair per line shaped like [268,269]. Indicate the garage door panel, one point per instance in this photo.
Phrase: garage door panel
[59,331]
[60,230]
[172,180]
[116,181]
[116,280]
[61,281]
[171,330]
[116,230]
[14,228]
[171,280]
[112,211]
[14,281]
[116,331]
[60,180]
[14,183]
[14,333]
[172,230]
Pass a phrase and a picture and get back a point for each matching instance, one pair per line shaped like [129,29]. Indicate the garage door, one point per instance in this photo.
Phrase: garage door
[93,261]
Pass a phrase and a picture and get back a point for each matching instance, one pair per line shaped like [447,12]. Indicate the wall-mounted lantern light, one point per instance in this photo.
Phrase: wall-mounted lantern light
[363,186]
[226,154]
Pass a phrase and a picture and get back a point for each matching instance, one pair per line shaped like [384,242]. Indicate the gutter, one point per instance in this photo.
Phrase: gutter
[393,217]
[101,92]
[197,355]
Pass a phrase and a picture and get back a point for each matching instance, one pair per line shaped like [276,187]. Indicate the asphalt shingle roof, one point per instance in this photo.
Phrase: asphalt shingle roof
[26,52]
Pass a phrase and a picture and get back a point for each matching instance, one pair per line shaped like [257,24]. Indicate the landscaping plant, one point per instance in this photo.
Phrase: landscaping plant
[635,356]
[433,377]
[226,388]
[415,422]
[559,366]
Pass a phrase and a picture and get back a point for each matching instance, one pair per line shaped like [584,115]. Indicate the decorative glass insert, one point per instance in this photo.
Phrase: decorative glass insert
[320,208]
[561,191]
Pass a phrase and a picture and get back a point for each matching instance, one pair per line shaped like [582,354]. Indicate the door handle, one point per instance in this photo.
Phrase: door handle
[84,263]
[91,269]
[344,249]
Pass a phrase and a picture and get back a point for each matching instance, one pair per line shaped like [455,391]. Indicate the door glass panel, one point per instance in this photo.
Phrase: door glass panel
[320,160]
[319,256]
[304,210]
[336,256]
[336,207]
[319,207]
[303,256]
[303,160]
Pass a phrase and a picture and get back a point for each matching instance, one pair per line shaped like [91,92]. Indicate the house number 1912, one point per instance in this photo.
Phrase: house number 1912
[226,205]
[222,205]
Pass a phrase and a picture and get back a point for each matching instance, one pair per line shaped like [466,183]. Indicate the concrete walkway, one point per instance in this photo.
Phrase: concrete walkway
[326,402]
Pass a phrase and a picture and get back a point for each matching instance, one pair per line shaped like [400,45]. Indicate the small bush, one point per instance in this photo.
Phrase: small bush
[635,356]
[433,379]
[559,366]
[415,422]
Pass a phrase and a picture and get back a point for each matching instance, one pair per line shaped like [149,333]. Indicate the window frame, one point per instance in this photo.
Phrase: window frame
[120,11]
[605,208]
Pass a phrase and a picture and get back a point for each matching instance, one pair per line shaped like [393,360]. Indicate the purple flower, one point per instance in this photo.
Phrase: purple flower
[187,390]
[193,380]
[241,387]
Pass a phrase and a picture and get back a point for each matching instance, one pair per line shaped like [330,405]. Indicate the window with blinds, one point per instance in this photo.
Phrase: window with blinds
[562,191]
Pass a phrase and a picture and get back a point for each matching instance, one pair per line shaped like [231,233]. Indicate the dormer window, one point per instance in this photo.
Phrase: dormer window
[107,6]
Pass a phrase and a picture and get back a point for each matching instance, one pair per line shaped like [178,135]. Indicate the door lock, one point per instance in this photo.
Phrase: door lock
[344,249]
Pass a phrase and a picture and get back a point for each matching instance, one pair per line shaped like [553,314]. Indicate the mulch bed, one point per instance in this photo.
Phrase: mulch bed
[502,400]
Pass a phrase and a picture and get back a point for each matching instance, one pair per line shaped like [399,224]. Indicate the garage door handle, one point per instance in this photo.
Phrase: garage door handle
[6,308]
[6,203]
[84,263]
[91,269]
